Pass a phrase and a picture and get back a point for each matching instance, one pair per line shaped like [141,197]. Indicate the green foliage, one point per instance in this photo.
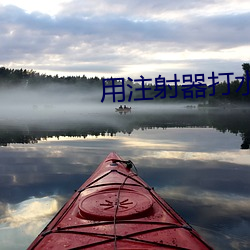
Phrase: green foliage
[32,79]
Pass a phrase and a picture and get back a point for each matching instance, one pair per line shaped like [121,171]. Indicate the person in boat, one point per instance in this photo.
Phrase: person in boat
[120,107]
[125,106]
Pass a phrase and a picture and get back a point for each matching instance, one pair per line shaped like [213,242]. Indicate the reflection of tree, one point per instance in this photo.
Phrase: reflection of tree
[222,120]
[8,137]
[245,144]
[246,140]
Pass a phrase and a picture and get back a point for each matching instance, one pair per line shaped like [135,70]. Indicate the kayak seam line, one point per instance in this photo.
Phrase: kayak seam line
[53,227]
[120,222]
[117,206]
[173,212]
[114,170]
[110,184]
[44,233]
[129,237]
[99,178]
[78,193]
[121,236]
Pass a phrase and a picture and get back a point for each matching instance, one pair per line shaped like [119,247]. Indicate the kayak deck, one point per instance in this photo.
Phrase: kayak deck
[116,209]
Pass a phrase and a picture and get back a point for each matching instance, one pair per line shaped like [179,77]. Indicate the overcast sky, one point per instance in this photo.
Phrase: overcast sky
[125,38]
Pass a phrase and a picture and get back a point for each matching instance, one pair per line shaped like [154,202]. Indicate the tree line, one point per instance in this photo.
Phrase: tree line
[30,78]
[239,92]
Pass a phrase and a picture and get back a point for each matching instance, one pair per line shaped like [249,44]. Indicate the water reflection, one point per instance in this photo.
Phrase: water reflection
[31,210]
[21,221]
[110,123]
[200,171]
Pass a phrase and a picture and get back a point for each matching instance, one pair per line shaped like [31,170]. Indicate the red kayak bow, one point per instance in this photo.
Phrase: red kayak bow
[116,209]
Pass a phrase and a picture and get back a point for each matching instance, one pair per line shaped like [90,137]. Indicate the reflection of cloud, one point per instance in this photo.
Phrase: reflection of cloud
[201,144]
[147,144]
[222,219]
[29,213]
[237,157]
[25,220]
[229,203]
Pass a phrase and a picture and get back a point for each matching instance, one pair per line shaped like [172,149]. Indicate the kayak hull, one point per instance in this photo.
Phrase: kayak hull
[116,209]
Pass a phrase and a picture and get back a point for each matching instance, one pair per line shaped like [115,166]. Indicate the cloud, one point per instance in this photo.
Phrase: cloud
[26,220]
[29,210]
[142,9]
[233,204]
[110,38]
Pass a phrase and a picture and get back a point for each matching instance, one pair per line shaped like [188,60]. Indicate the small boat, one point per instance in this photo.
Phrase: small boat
[116,209]
[123,110]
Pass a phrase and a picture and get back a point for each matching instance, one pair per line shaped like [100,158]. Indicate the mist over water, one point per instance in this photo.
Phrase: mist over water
[61,103]
[58,109]
[58,102]
[52,103]
[191,155]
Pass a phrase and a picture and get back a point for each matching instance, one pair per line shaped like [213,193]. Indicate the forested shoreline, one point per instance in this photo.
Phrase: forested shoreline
[235,92]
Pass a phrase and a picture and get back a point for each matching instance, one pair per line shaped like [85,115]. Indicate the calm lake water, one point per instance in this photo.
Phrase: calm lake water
[197,160]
